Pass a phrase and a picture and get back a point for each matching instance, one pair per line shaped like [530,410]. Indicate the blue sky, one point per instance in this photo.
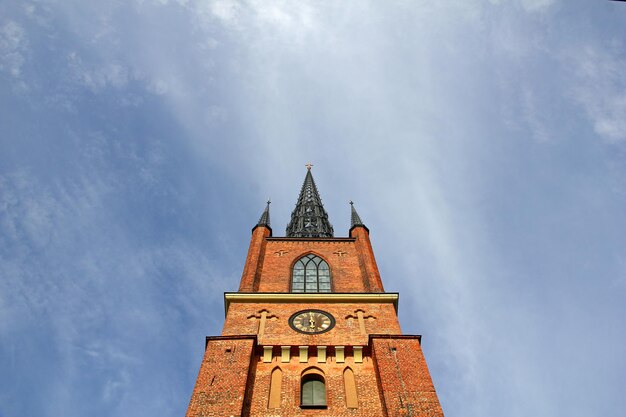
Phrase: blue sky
[483,142]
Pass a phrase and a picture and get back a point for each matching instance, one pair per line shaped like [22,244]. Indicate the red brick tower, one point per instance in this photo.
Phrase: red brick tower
[311,331]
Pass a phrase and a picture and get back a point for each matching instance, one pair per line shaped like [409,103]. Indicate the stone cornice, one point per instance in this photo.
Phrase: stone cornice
[273,297]
[252,337]
[310,239]
[393,336]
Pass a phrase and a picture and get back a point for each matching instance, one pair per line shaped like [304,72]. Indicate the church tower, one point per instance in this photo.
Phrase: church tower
[311,330]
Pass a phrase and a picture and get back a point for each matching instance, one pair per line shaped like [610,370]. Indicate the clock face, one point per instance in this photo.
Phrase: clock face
[312,321]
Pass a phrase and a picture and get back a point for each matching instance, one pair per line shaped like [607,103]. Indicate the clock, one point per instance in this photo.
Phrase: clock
[312,321]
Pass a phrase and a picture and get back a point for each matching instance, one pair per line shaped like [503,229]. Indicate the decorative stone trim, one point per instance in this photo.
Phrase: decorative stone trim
[263,297]
[358,354]
[285,354]
[340,354]
[321,354]
[304,354]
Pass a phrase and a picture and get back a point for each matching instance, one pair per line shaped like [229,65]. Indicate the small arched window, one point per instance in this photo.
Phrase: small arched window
[310,274]
[313,391]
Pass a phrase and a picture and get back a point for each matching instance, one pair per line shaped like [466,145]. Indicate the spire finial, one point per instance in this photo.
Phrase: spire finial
[265,217]
[355,219]
[309,219]
[308,166]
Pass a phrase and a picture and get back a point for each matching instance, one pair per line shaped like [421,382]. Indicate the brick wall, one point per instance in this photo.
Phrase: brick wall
[220,389]
[254,260]
[403,377]
[244,318]
[390,371]
[369,404]
[392,379]
[270,260]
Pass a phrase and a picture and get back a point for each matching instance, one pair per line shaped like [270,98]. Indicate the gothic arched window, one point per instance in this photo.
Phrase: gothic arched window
[310,274]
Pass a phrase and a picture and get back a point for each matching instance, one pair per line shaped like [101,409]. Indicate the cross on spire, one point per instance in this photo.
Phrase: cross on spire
[355,219]
[265,217]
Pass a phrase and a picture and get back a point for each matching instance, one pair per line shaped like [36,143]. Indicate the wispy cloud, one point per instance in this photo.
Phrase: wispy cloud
[152,132]
[96,78]
[537,5]
[599,86]
[13,47]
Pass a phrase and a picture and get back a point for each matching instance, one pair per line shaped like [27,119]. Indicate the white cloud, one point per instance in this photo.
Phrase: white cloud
[226,10]
[599,85]
[256,18]
[158,87]
[13,45]
[533,116]
[396,107]
[528,5]
[98,77]
[93,299]
[537,5]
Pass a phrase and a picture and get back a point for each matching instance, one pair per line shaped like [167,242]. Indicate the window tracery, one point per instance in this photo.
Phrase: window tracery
[310,274]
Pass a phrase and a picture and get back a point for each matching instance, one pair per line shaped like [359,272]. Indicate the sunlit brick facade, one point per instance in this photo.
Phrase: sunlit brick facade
[339,352]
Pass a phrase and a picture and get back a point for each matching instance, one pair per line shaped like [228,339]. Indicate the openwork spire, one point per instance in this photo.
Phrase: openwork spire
[265,217]
[355,219]
[309,219]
